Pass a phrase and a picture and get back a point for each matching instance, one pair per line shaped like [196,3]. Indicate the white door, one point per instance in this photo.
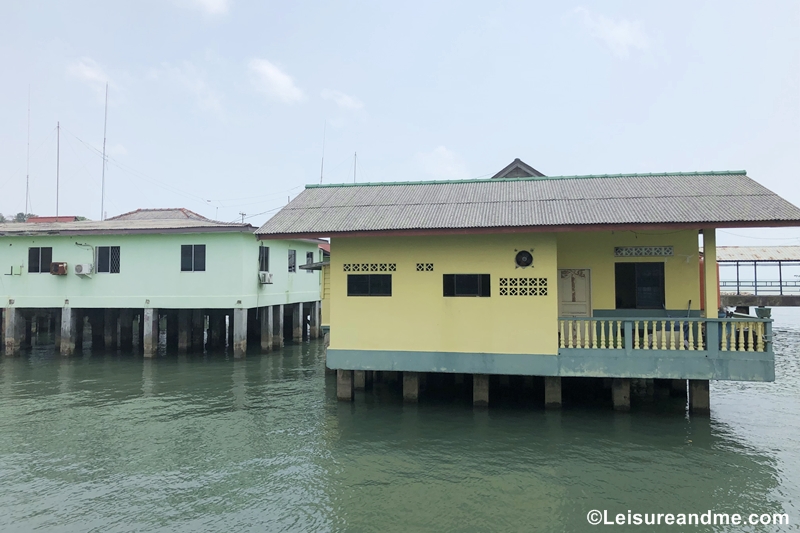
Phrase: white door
[574,292]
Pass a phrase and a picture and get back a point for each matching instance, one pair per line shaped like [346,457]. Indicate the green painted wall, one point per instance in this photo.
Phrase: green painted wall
[150,269]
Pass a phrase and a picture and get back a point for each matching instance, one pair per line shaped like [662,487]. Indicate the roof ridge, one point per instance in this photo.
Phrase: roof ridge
[536,178]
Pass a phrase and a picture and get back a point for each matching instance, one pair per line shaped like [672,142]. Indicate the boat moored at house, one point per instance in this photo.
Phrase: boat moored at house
[525,275]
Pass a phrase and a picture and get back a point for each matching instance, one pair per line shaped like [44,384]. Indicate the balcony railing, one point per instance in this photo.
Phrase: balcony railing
[708,335]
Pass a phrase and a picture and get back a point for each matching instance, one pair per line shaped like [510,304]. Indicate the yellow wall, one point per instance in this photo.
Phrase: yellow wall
[417,317]
[596,251]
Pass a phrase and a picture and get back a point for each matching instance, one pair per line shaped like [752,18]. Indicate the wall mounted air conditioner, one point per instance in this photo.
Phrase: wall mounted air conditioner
[265,278]
[83,269]
[58,268]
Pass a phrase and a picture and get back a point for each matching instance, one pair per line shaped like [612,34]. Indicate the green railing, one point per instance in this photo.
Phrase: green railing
[710,335]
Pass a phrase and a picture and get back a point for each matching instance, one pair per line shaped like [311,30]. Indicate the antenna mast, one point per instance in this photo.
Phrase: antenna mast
[355,164]
[103,179]
[28,157]
[322,165]
[58,159]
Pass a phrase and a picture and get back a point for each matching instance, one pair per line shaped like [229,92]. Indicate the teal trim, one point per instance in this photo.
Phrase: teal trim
[642,314]
[661,364]
[535,178]
[326,329]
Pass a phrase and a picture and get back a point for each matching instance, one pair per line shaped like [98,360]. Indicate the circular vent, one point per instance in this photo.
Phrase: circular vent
[524,259]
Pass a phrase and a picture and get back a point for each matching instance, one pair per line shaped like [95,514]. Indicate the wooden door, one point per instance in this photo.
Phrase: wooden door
[574,292]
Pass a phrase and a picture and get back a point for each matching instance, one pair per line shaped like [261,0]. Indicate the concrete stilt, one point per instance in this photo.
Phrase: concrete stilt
[110,323]
[344,385]
[267,319]
[68,331]
[172,329]
[217,325]
[27,330]
[97,318]
[198,328]
[297,322]
[184,330]
[621,394]
[552,392]
[277,336]
[699,396]
[411,387]
[150,333]
[314,328]
[11,330]
[678,388]
[239,333]
[480,390]
[80,327]
[359,379]
[125,329]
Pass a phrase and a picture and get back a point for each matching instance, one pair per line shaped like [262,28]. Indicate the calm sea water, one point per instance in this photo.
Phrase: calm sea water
[112,443]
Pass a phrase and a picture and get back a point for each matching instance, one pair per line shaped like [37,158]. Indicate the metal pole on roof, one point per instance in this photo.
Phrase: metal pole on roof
[103,180]
[322,164]
[355,164]
[28,157]
[58,160]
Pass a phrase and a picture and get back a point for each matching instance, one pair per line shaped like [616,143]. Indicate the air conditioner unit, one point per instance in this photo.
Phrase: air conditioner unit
[58,269]
[83,269]
[265,278]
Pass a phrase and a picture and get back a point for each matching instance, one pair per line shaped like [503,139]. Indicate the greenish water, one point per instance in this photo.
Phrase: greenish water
[112,443]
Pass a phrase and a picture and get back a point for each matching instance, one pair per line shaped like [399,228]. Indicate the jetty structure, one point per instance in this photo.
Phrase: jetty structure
[545,277]
[204,284]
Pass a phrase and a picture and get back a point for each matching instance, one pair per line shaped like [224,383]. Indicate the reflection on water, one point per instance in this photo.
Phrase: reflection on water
[111,442]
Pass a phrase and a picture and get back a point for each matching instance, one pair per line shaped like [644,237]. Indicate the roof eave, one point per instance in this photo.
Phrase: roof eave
[129,231]
[533,229]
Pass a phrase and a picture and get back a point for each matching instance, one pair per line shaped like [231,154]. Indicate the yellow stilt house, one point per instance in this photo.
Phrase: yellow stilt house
[522,274]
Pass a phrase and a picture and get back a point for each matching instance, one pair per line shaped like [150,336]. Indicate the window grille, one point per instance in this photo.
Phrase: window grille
[370,267]
[644,251]
[523,286]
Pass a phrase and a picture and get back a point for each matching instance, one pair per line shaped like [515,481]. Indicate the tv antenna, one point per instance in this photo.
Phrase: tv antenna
[103,179]
[28,157]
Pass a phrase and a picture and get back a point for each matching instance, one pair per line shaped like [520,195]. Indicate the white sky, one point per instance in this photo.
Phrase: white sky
[219,105]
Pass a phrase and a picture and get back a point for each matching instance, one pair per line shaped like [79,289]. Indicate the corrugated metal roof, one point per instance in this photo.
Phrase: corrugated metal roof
[179,213]
[117,227]
[697,197]
[758,253]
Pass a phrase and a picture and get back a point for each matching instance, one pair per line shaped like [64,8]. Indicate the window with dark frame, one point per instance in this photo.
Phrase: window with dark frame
[108,259]
[39,260]
[369,284]
[309,260]
[639,285]
[193,258]
[263,258]
[292,261]
[456,285]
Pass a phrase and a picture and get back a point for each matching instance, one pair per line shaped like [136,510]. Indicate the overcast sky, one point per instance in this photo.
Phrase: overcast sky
[219,106]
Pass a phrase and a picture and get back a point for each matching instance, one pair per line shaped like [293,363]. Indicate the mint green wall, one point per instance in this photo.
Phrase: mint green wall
[150,270]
